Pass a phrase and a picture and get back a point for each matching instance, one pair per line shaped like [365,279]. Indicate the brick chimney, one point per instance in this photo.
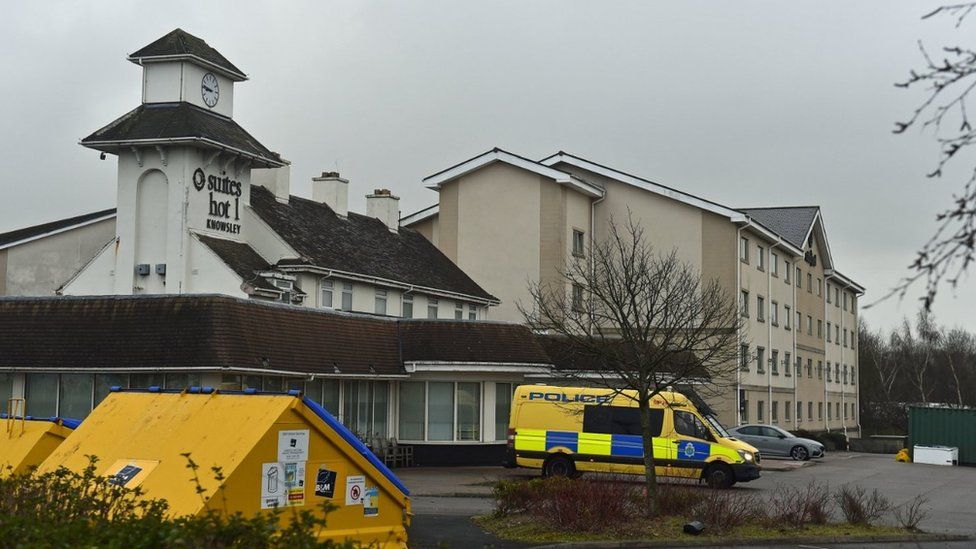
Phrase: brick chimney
[384,206]
[333,191]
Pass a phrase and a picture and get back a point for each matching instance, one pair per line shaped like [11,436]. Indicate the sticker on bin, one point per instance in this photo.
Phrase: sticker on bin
[295,482]
[293,445]
[123,477]
[371,502]
[355,486]
[130,472]
[272,486]
[325,482]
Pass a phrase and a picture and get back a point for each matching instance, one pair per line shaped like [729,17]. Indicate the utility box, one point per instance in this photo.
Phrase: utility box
[936,455]
[273,450]
[26,441]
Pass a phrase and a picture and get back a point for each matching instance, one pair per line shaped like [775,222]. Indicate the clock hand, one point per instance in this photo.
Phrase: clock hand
[208,89]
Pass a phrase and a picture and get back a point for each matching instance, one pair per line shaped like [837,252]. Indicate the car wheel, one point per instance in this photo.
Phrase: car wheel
[799,453]
[719,475]
[559,466]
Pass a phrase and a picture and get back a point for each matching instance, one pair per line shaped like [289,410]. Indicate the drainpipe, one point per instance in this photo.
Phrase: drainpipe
[796,374]
[769,335]
[737,293]
[593,242]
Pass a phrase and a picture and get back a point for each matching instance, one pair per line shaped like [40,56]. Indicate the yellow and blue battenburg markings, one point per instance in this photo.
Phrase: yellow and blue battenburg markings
[597,444]
[691,450]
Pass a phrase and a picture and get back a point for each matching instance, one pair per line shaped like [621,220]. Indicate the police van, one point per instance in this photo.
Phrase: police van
[568,430]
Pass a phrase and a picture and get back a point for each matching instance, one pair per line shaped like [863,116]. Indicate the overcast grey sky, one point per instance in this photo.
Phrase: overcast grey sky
[745,103]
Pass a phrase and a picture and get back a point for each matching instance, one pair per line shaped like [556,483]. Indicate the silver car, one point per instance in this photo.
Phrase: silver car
[773,441]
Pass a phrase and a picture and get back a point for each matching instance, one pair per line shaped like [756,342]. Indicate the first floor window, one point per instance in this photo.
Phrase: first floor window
[380,308]
[810,368]
[787,410]
[774,414]
[853,377]
[347,296]
[786,317]
[744,303]
[810,409]
[458,310]
[503,408]
[760,308]
[579,242]
[787,364]
[365,408]
[577,297]
[774,362]
[799,410]
[760,360]
[432,307]
[774,313]
[472,312]
[406,309]
[326,300]
[759,410]
[325,392]
[744,357]
[820,410]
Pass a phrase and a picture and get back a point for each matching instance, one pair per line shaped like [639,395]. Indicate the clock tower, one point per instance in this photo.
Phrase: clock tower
[184,166]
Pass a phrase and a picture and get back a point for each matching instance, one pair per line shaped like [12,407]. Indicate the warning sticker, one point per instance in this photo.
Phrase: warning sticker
[371,502]
[273,492]
[355,486]
[125,475]
[325,482]
[293,445]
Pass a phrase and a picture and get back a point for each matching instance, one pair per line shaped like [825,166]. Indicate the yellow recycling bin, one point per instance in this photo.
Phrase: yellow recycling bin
[274,450]
[26,441]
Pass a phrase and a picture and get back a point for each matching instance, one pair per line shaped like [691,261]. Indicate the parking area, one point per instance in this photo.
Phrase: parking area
[443,498]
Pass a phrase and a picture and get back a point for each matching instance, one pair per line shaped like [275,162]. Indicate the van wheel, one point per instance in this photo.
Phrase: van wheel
[559,466]
[719,475]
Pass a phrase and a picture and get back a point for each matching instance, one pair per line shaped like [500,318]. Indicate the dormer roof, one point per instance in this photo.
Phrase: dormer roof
[181,45]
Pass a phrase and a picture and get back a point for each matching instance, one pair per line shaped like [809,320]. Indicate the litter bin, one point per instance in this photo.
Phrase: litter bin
[26,441]
[274,451]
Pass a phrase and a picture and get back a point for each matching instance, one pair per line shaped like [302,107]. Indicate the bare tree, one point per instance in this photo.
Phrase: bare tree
[957,344]
[915,351]
[949,79]
[635,319]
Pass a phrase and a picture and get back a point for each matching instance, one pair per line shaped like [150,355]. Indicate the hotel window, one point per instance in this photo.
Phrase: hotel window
[440,411]
[837,371]
[326,292]
[828,412]
[819,329]
[786,409]
[761,258]
[787,364]
[228,382]
[774,313]
[799,410]
[105,382]
[845,301]
[809,282]
[75,399]
[799,366]
[180,381]
[6,388]
[810,368]
[744,357]
[799,321]
[365,407]
[760,308]
[432,307]
[458,310]
[810,410]
[787,269]
[787,313]
[819,369]
[325,392]
[760,360]
[837,408]
[468,411]
[799,279]
[829,377]
[845,374]
[836,334]
[845,337]
[347,296]
[579,243]
[774,413]
[845,410]
[820,410]
[412,403]
[744,249]
[828,293]
[828,332]
[577,297]
[406,305]
[853,303]
[287,288]
[774,263]
[744,303]
[836,296]
[380,307]
[774,362]
[809,325]
[759,410]
[41,394]
[853,377]
[503,407]
[472,312]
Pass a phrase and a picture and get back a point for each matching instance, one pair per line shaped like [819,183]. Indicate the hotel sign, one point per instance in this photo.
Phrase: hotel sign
[224,194]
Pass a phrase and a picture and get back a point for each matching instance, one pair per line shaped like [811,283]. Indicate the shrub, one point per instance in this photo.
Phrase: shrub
[859,507]
[912,513]
[723,510]
[64,509]
[676,500]
[798,507]
[587,505]
[515,496]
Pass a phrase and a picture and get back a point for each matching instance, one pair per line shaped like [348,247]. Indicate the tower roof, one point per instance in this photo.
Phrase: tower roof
[179,44]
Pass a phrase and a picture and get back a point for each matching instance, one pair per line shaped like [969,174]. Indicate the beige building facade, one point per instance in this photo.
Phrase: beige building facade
[508,221]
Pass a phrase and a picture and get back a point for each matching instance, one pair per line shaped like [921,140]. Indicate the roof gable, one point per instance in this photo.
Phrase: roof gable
[498,155]
[179,44]
[360,245]
[793,223]
[19,236]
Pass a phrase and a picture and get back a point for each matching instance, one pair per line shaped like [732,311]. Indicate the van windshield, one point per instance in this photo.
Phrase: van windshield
[717,427]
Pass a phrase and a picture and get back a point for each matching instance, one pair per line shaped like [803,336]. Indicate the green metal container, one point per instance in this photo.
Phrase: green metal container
[930,426]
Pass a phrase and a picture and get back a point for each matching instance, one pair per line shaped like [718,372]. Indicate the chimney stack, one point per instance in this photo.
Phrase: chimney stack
[333,191]
[384,206]
[276,180]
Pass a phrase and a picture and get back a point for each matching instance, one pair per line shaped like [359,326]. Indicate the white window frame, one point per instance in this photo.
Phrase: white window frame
[326,284]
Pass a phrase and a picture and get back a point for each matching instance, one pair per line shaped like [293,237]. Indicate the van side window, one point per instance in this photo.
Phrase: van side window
[686,423]
[619,420]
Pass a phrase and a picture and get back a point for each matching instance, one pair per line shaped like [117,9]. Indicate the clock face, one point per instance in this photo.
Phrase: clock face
[210,89]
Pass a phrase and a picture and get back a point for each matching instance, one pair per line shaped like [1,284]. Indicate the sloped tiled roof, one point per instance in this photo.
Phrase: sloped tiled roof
[53,226]
[790,222]
[359,244]
[242,259]
[168,122]
[177,332]
[179,43]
